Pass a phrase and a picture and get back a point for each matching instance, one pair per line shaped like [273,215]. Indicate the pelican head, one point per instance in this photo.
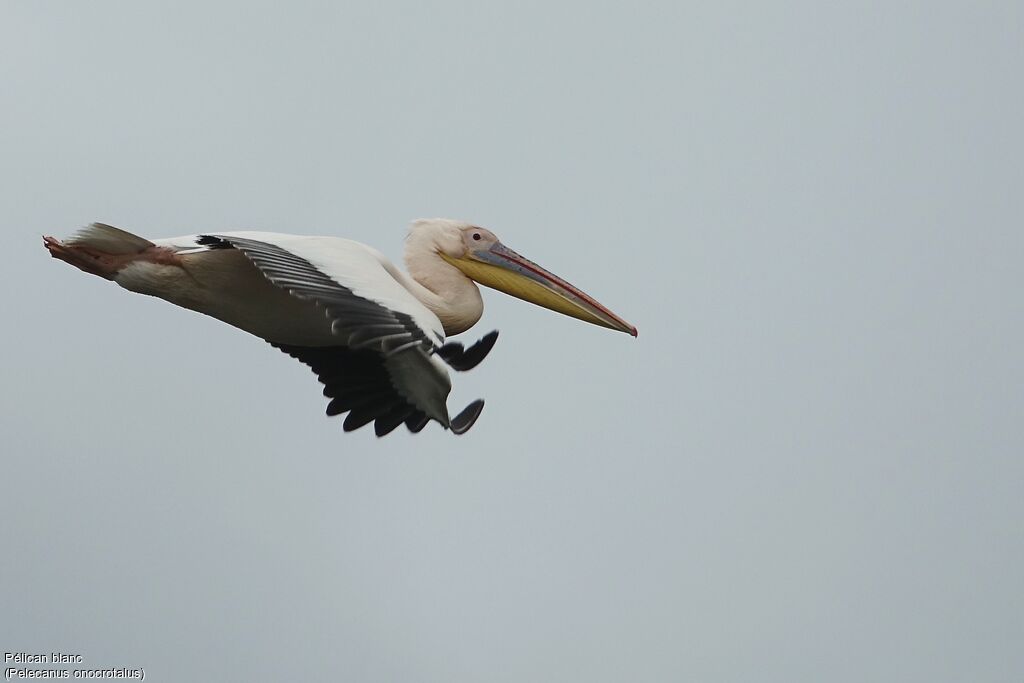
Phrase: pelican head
[480,255]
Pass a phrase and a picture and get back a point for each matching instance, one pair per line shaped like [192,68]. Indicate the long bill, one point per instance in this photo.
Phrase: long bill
[499,267]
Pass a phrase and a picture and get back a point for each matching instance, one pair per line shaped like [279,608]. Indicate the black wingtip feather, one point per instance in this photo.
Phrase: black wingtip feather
[416,422]
[358,418]
[357,382]
[385,424]
[213,242]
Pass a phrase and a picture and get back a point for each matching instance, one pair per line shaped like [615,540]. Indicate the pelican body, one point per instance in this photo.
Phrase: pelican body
[374,335]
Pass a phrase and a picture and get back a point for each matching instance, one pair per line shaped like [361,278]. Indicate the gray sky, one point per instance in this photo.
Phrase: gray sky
[807,467]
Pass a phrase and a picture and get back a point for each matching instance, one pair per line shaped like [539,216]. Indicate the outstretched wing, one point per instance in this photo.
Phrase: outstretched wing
[358,383]
[384,368]
[368,308]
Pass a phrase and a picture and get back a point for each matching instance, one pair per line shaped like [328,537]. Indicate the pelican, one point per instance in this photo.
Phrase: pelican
[374,336]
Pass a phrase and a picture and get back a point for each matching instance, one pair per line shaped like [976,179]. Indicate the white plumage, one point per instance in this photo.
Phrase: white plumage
[374,335]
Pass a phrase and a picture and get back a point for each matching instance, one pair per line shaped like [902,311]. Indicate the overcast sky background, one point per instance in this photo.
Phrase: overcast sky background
[807,467]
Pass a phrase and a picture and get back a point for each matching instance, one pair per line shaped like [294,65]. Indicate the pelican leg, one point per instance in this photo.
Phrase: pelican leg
[467,359]
[467,418]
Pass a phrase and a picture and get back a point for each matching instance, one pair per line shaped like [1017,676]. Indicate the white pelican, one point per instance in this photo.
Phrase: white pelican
[374,336]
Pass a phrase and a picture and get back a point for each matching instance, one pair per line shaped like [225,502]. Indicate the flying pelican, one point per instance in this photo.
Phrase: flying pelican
[374,336]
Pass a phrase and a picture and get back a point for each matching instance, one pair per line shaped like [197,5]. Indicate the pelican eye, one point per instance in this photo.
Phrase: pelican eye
[476,235]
